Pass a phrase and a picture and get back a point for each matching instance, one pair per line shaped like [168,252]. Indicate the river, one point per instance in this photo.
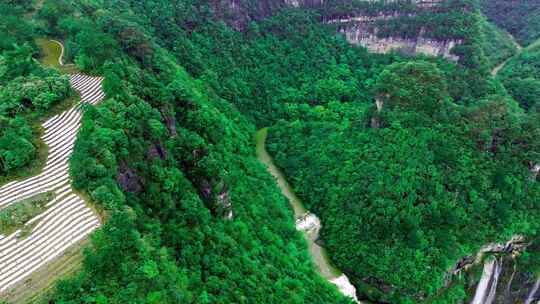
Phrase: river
[306,222]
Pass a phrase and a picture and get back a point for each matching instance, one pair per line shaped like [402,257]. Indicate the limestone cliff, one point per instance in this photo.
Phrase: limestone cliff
[359,34]
[402,26]
[407,26]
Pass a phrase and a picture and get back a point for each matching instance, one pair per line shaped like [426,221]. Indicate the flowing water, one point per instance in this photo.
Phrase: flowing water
[306,222]
[531,296]
[487,287]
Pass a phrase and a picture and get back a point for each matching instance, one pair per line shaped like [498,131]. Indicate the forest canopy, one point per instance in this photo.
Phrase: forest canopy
[410,163]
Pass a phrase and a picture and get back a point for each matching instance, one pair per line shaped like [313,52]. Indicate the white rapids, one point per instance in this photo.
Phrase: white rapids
[310,224]
[67,219]
[487,287]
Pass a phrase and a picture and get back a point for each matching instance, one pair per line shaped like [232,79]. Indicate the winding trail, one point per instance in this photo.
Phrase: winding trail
[520,49]
[306,222]
[67,220]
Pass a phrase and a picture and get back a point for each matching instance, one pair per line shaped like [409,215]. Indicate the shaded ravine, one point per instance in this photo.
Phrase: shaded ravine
[306,222]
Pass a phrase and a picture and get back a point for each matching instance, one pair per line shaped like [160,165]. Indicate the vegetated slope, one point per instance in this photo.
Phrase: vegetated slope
[497,44]
[194,217]
[521,77]
[405,193]
[521,18]
[446,27]
[27,92]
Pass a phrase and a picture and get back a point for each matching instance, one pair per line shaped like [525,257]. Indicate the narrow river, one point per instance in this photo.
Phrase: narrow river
[306,222]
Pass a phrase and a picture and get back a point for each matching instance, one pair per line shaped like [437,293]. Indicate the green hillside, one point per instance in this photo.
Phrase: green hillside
[521,18]
[411,163]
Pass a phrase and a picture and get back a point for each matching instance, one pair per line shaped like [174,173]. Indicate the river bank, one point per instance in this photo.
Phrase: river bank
[306,222]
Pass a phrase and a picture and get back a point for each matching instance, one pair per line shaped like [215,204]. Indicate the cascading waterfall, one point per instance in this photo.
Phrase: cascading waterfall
[487,287]
[531,296]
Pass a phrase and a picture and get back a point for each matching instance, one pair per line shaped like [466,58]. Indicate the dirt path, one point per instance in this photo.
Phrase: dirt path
[520,49]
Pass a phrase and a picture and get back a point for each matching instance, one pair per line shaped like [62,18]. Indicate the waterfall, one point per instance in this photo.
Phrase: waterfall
[311,224]
[508,290]
[530,296]
[487,287]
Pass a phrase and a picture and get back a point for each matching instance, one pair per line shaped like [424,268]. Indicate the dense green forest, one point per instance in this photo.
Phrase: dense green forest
[401,203]
[521,18]
[521,77]
[496,44]
[403,192]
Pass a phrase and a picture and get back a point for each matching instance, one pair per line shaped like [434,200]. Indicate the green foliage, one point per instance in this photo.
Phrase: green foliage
[521,18]
[521,77]
[170,151]
[412,87]
[26,89]
[164,152]
[497,44]
[402,203]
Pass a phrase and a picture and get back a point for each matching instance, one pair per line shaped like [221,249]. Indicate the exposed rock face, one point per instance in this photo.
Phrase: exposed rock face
[171,125]
[534,171]
[157,150]
[501,281]
[218,201]
[358,28]
[487,287]
[128,179]
[310,224]
[513,247]
[224,203]
[363,30]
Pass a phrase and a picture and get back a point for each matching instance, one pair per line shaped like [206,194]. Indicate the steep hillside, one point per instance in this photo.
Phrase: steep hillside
[448,28]
[412,27]
[412,164]
[29,92]
[521,77]
[497,45]
[409,191]
[521,18]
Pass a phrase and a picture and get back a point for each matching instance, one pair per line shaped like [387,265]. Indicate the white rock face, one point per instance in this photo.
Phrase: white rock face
[486,289]
[362,30]
[420,45]
[309,223]
[345,286]
[293,3]
[534,171]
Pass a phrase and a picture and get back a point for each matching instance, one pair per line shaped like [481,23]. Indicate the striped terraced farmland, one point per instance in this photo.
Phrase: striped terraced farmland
[67,219]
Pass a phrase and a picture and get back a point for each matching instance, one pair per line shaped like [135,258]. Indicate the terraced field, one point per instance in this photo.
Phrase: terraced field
[67,219]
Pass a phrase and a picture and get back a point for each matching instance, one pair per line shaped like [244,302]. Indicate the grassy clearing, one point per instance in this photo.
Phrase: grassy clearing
[51,51]
[16,215]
